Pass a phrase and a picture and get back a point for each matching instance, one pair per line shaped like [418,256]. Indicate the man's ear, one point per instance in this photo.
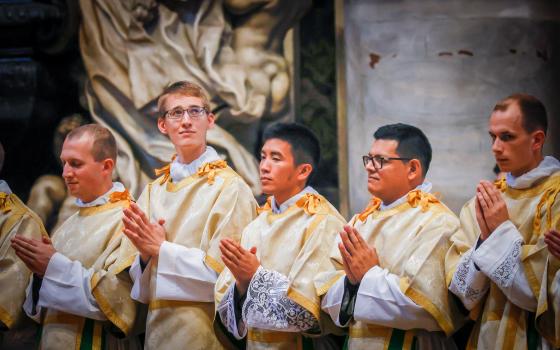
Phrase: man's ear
[538,140]
[161,125]
[414,169]
[108,165]
[304,171]
[211,120]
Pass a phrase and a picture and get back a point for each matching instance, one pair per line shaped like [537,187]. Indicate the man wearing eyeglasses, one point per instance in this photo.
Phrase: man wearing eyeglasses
[391,255]
[178,223]
[499,264]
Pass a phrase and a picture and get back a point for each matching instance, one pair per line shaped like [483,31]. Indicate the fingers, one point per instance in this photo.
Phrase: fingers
[492,192]
[139,213]
[22,243]
[253,250]
[346,256]
[228,252]
[482,198]
[344,236]
[47,240]
[552,239]
[161,222]
[26,256]
[359,238]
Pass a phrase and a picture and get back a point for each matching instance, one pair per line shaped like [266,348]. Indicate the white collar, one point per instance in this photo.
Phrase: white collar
[4,187]
[547,167]
[179,171]
[280,209]
[103,199]
[424,187]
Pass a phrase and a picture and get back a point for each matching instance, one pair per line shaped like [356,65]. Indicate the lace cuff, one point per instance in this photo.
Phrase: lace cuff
[268,307]
[499,256]
[226,311]
[469,283]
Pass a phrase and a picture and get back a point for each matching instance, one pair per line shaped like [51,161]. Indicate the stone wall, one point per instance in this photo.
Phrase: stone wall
[442,65]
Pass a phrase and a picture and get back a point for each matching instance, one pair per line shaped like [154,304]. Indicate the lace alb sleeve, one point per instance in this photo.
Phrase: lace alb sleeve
[226,311]
[469,283]
[268,307]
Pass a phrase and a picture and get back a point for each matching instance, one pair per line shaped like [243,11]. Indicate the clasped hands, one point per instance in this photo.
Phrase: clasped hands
[490,207]
[357,256]
[35,253]
[146,236]
[242,263]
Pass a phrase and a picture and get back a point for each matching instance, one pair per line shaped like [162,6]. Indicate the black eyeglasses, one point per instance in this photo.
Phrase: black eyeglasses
[194,112]
[378,161]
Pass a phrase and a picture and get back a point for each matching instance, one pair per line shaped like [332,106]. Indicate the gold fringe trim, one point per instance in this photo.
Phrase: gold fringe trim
[264,336]
[88,211]
[6,318]
[161,304]
[425,303]
[214,264]
[305,302]
[325,287]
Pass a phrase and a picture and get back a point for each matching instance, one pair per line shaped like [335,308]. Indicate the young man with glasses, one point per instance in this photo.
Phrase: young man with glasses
[267,295]
[391,255]
[499,264]
[178,223]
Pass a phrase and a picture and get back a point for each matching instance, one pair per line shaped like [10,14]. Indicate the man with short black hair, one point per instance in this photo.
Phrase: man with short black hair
[499,265]
[391,256]
[80,291]
[179,222]
[266,293]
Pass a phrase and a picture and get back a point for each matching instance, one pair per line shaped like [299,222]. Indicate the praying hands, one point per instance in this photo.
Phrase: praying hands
[491,209]
[35,253]
[242,263]
[145,235]
[357,256]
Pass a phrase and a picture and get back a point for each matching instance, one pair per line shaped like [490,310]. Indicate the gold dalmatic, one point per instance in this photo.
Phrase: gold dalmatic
[295,243]
[411,241]
[15,219]
[93,236]
[199,211]
[500,324]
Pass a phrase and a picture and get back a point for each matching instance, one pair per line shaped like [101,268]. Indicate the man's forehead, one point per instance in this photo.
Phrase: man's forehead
[382,147]
[177,99]
[277,145]
[508,119]
[78,144]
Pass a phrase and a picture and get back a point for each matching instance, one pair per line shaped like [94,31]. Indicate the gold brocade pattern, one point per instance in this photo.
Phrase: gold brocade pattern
[372,207]
[15,219]
[196,216]
[95,240]
[499,322]
[210,169]
[306,232]
[425,200]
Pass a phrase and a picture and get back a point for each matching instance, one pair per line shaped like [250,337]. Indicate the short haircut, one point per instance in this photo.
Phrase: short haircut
[305,145]
[2,155]
[185,88]
[104,143]
[533,111]
[412,142]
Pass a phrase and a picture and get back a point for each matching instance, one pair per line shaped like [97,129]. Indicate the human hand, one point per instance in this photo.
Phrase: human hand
[357,256]
[242,263]
[35,253]
[493,206]
[145,235]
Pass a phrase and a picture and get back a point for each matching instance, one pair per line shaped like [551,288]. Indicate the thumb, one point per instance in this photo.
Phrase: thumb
[253,250]
[47,240]
[161,222]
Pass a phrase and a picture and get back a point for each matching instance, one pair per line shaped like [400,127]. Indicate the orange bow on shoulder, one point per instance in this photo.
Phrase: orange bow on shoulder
[4,207]
[266,206]
[501,184]
[165,171]
[120,196]
[310,203]
[372,207]
[417,197]
[210,169]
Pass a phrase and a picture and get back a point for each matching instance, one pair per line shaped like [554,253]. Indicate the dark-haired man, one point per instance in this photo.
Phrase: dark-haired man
[266,293]
[178,223]
[81,289]
[499,265]
[15,219]
[392,254]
